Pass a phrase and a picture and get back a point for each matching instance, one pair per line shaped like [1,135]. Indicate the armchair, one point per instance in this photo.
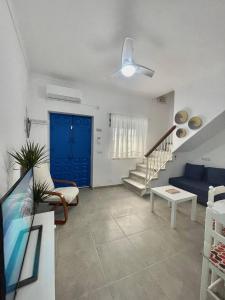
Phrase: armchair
[62,196]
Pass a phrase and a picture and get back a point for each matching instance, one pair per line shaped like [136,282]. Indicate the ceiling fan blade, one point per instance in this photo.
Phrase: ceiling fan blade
[145,71]
[127,52]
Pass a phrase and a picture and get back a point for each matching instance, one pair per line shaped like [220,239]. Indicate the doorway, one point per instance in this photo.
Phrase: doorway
[71,148]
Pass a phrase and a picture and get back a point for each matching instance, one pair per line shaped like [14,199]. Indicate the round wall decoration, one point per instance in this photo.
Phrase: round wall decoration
[181,132]
[195,123]
[181,117]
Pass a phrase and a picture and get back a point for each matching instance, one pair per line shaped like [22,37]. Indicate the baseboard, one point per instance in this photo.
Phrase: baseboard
[104,186]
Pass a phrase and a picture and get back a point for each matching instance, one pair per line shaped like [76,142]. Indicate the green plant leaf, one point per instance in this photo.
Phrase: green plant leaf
[30,155]
[39,191]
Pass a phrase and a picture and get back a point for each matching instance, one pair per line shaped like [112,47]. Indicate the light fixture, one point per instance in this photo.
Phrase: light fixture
[128,70]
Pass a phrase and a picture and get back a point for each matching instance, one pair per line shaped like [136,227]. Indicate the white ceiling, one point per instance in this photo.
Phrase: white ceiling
[181,40]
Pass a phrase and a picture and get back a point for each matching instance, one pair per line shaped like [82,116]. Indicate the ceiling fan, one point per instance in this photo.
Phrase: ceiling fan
[128,66]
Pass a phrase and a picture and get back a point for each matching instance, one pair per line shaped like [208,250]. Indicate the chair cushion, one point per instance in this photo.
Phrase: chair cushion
[215,176]
[217,256]
[42,175]
[195,172]
[69,194]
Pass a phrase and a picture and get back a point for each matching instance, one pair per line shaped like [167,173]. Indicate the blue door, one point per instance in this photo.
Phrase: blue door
[70,148]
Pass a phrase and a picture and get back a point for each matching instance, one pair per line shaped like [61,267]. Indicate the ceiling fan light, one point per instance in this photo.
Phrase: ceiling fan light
[128,70]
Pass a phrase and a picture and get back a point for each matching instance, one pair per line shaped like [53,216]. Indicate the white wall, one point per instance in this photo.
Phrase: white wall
[210,153]
[204,97]
[105,170]
[13,95]
[163,120]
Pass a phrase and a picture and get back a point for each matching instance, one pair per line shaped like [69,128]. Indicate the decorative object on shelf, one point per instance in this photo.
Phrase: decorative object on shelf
[195,123]
[28,127]
[181,117]
[27,124]
[181,132]
[29,156]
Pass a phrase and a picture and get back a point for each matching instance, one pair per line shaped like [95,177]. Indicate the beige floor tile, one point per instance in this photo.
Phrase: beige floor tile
[131,224]
[138,286]
[78,273]
[119,258]
[151,220]
[152,246]
[106,231]
[112,248]
[79,240]
[100,294]
[179,276]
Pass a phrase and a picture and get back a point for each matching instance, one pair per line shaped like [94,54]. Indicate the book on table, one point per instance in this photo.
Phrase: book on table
[172,191]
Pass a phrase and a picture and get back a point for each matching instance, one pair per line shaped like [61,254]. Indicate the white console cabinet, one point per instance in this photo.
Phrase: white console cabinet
[44,287]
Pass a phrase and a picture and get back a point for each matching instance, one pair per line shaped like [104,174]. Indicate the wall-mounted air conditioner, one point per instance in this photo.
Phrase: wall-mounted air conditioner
[62,93]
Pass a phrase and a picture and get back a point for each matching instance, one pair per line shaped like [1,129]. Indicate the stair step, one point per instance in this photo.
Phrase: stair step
[138,174]
[144,166]
[136,179]
[134,183]
[142,175]
[155,159]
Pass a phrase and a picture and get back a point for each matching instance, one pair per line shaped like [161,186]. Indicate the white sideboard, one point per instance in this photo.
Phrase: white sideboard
[44,287]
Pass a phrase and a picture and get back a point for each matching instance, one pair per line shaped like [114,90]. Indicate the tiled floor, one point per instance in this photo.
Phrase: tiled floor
[114,248]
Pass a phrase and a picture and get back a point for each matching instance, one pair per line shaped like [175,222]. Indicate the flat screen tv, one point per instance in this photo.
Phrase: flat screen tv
[16,219]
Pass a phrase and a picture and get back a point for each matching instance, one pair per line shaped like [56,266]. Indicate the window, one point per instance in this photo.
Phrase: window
[129,136]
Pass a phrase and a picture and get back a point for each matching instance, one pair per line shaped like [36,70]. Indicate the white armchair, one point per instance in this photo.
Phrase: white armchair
[63,196]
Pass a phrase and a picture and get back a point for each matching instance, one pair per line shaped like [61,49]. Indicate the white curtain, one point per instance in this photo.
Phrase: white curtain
[129,136]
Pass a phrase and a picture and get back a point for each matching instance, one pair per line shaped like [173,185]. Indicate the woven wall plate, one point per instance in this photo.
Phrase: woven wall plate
[195,123]
[181,117]
[181,132]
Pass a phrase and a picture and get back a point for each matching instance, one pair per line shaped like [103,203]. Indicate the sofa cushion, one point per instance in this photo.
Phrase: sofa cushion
[220,197]
[200,188]
[215,176]
[192,186]
[195,172]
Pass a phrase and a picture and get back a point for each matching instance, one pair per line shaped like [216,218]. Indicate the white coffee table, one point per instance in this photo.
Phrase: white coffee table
[173,200]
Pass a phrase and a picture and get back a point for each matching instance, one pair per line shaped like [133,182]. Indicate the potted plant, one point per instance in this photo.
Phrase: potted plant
[29,156]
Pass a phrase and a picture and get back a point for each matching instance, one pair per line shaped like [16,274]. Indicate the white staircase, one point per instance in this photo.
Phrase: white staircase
[153,163]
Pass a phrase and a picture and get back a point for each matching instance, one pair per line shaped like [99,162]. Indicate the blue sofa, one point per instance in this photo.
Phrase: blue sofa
[197,179]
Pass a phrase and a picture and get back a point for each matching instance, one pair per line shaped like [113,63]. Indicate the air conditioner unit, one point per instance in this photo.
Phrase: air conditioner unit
[62,93]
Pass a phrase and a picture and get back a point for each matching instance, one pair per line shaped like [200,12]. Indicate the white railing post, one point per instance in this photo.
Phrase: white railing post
[146,175]
[159,155]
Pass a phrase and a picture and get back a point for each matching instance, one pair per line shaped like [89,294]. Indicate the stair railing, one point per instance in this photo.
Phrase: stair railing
[159,155]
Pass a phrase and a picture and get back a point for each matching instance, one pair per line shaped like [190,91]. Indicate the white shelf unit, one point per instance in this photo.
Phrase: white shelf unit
[44,287]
